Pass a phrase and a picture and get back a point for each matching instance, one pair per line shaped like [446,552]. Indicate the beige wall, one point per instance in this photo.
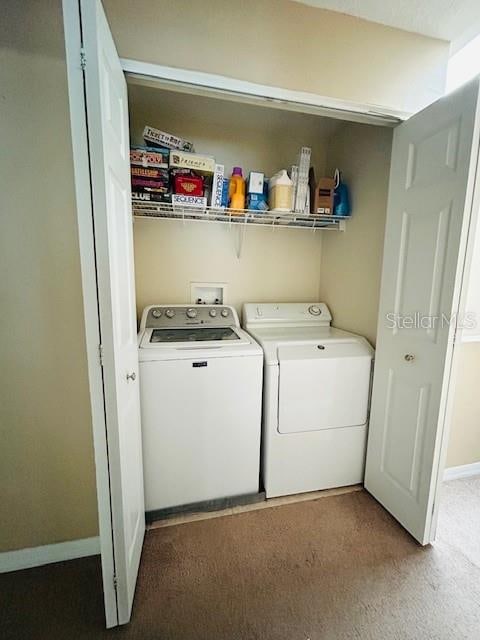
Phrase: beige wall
[46,462]
[464,443]
[352,261]
[279,266]
[47,486]
[283,264]
[287,44]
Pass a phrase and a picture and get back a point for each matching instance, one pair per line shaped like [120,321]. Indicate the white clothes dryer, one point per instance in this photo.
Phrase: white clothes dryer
[316,398]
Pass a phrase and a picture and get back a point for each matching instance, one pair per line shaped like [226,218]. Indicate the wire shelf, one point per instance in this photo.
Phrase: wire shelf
[238,216]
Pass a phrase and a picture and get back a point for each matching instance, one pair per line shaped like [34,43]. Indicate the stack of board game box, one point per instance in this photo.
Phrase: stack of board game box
[149,172]
[167,170]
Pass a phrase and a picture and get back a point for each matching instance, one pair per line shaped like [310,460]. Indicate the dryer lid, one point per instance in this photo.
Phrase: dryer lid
[323,386]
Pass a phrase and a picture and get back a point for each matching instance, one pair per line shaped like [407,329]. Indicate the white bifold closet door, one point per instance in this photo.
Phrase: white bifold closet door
[432,178]
[109,146]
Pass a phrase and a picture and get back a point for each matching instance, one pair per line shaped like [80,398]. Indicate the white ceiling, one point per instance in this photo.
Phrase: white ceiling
[455,20]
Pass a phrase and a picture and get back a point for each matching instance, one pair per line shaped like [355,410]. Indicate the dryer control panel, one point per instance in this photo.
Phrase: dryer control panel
[286,314]
[177,316]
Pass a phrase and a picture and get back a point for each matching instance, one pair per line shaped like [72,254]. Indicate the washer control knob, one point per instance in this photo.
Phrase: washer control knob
[191,313]
[224,313]
[170,313]
[314,310]
[156,313]
[212,313]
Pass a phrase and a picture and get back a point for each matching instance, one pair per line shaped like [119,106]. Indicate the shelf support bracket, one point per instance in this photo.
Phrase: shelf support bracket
[241,233]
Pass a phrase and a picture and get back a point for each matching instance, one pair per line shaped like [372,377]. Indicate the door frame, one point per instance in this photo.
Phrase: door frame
[207,84]
[227,88]
[92,319]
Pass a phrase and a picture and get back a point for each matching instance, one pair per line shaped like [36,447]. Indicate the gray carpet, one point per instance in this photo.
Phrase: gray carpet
[459,521]
[336,568]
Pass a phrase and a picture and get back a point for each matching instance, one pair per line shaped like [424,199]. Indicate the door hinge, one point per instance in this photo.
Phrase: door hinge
[83,59]
[100,354]
[115,581]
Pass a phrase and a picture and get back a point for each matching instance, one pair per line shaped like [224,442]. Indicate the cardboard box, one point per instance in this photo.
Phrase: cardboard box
[257,202]
[188,186]
[217,185]
[144,196]
[145,184]
[302,180]
[163,139]
[149,157]
[188,201]
[150,172]
[205,165]
[255,182]
[323,201]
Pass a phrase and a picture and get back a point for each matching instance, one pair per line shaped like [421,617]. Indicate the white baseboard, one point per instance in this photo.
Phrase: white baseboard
[37,556]
[464,471]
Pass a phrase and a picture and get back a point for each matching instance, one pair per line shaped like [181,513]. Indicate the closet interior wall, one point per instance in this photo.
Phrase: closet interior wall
[276,264]
[351,264]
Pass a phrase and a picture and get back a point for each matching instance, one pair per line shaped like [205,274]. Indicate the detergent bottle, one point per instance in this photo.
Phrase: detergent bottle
[280,192]
[341,202]
[236,189]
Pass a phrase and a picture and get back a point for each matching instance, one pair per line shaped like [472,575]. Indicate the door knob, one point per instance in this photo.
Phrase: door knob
[409,357]
[131,376]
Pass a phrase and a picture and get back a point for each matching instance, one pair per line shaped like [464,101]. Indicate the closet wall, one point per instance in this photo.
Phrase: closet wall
[47,478]
[352,261]
[276,264]
[464,443]
[343,269]
[285,44]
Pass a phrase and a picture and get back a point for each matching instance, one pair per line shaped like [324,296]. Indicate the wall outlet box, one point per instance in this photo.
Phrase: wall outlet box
[255,182]
[208,293]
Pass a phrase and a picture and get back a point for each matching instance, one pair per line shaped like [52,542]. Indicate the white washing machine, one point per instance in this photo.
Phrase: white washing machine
[316,398]
[201,395]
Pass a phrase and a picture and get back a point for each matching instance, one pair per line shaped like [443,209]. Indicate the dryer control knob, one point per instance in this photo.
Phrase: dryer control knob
[224,313]
[156,313]
[170,313]
[191,313]
[314,310]
[212,313]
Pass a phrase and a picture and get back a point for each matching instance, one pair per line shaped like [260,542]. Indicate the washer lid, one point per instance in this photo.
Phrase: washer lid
[193,334]
[240,343]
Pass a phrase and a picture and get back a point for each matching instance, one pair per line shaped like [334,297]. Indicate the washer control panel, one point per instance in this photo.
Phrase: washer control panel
[161,316]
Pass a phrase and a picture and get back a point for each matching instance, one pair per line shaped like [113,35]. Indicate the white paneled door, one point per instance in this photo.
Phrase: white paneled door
[429,206]
[108,135]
